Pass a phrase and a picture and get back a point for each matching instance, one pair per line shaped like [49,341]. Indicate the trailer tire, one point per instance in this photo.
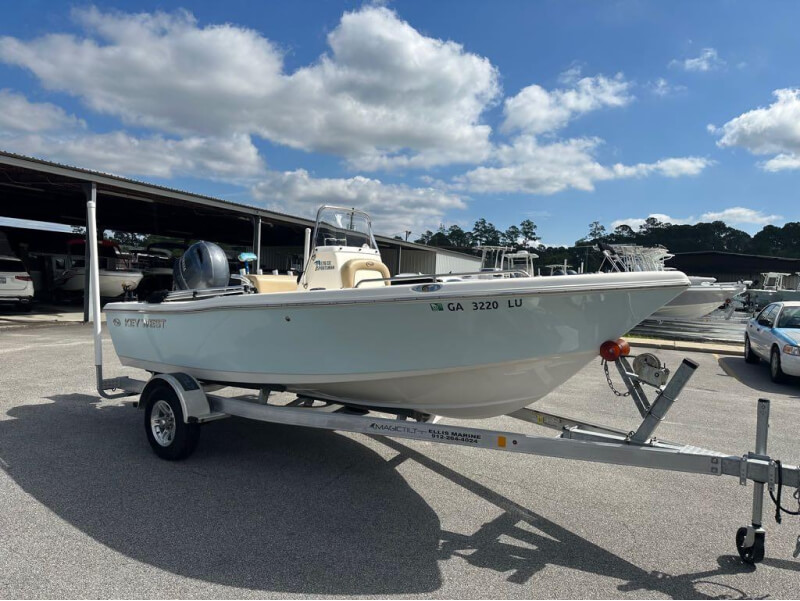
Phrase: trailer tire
[750,555]
[169,435]
[749,355]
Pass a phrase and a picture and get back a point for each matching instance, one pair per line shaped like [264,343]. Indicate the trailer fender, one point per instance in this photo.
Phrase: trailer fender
[191,395]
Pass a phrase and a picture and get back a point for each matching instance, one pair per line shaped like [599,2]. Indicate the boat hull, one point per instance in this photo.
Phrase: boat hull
[458,349]
[112,283]
[698,301]
[758,298]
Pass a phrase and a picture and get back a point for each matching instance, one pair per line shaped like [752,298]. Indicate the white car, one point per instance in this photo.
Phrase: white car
[16,285]
[774,336]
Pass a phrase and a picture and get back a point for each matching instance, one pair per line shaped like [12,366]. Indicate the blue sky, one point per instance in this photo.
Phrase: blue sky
[423,112]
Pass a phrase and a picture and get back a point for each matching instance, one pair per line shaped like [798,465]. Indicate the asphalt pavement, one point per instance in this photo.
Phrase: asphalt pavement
[260,510]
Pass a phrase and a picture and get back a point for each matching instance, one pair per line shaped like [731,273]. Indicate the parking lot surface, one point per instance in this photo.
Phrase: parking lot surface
[260,510]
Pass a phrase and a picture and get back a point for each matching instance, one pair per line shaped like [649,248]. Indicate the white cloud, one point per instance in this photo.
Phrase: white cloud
[385,94]
[782,162]
[529,167]
[539,244]
[708,60]
[732,216]
[661,87]
[674,167]
[18,114]
[771,130]
[393,207]
[635,222]
[534,110]
[119,153]
[740,216]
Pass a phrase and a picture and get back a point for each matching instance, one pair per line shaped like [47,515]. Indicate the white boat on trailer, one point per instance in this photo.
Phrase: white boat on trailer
[470,349]
[176,404]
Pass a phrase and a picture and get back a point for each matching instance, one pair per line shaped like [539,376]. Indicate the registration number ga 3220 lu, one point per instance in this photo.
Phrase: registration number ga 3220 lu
[489,305]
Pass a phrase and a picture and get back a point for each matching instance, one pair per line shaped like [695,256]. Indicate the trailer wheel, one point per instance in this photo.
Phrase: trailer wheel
[749,355]
[750,555]
[169,436]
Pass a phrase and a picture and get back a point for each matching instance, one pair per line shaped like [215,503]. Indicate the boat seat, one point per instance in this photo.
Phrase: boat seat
[264,284]
[353,266]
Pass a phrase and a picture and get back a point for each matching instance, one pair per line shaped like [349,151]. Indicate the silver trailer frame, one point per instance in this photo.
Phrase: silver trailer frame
[177,404]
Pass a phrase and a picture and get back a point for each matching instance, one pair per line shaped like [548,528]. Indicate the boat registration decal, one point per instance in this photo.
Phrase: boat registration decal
[490,305]
[133,322]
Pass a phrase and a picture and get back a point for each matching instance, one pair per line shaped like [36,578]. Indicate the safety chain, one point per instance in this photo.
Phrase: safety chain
[610,383]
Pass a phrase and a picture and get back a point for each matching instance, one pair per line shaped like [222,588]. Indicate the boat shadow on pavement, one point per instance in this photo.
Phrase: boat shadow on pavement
[257,506]
[278,508]
[510,543]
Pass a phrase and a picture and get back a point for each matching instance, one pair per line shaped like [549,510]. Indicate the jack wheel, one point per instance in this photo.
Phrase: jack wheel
[169,436]
[750,555]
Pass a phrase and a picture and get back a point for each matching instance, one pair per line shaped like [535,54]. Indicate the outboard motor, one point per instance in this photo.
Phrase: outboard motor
[203,265]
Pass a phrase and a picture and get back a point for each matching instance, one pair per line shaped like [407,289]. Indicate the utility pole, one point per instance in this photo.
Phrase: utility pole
[408,233]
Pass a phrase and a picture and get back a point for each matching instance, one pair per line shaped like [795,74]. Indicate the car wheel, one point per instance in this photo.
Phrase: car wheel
[749,355]
[775,371]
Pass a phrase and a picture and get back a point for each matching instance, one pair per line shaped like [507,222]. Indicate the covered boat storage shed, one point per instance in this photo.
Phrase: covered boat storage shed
[34,189]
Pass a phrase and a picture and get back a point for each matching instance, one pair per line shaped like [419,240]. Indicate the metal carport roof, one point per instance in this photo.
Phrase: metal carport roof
[40,190]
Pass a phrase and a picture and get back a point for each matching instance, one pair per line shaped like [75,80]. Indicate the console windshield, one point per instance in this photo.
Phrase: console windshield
[338,226]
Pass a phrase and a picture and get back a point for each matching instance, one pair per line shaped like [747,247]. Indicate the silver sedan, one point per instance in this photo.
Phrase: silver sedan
[774,336]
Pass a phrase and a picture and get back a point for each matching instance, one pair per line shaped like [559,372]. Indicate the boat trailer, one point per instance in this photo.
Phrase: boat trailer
[176,405]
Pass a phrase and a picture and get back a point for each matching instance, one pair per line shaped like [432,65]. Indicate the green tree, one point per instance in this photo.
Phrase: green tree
[424,238]
[127,239]
[781,241]
[624,231]
[485,233]
[459,237]
[651,223]
[439,239]
[511,236]
[597,231]
[527,230]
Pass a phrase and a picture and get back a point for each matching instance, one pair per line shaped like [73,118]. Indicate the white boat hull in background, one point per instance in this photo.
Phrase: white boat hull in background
[460,349]
[112,283]
[698,301]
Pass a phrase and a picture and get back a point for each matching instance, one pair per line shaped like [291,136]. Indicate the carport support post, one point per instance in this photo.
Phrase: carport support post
[257,242]
[86,263]
[94,279]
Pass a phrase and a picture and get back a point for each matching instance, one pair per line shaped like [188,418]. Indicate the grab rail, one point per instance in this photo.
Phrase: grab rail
[484,275]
